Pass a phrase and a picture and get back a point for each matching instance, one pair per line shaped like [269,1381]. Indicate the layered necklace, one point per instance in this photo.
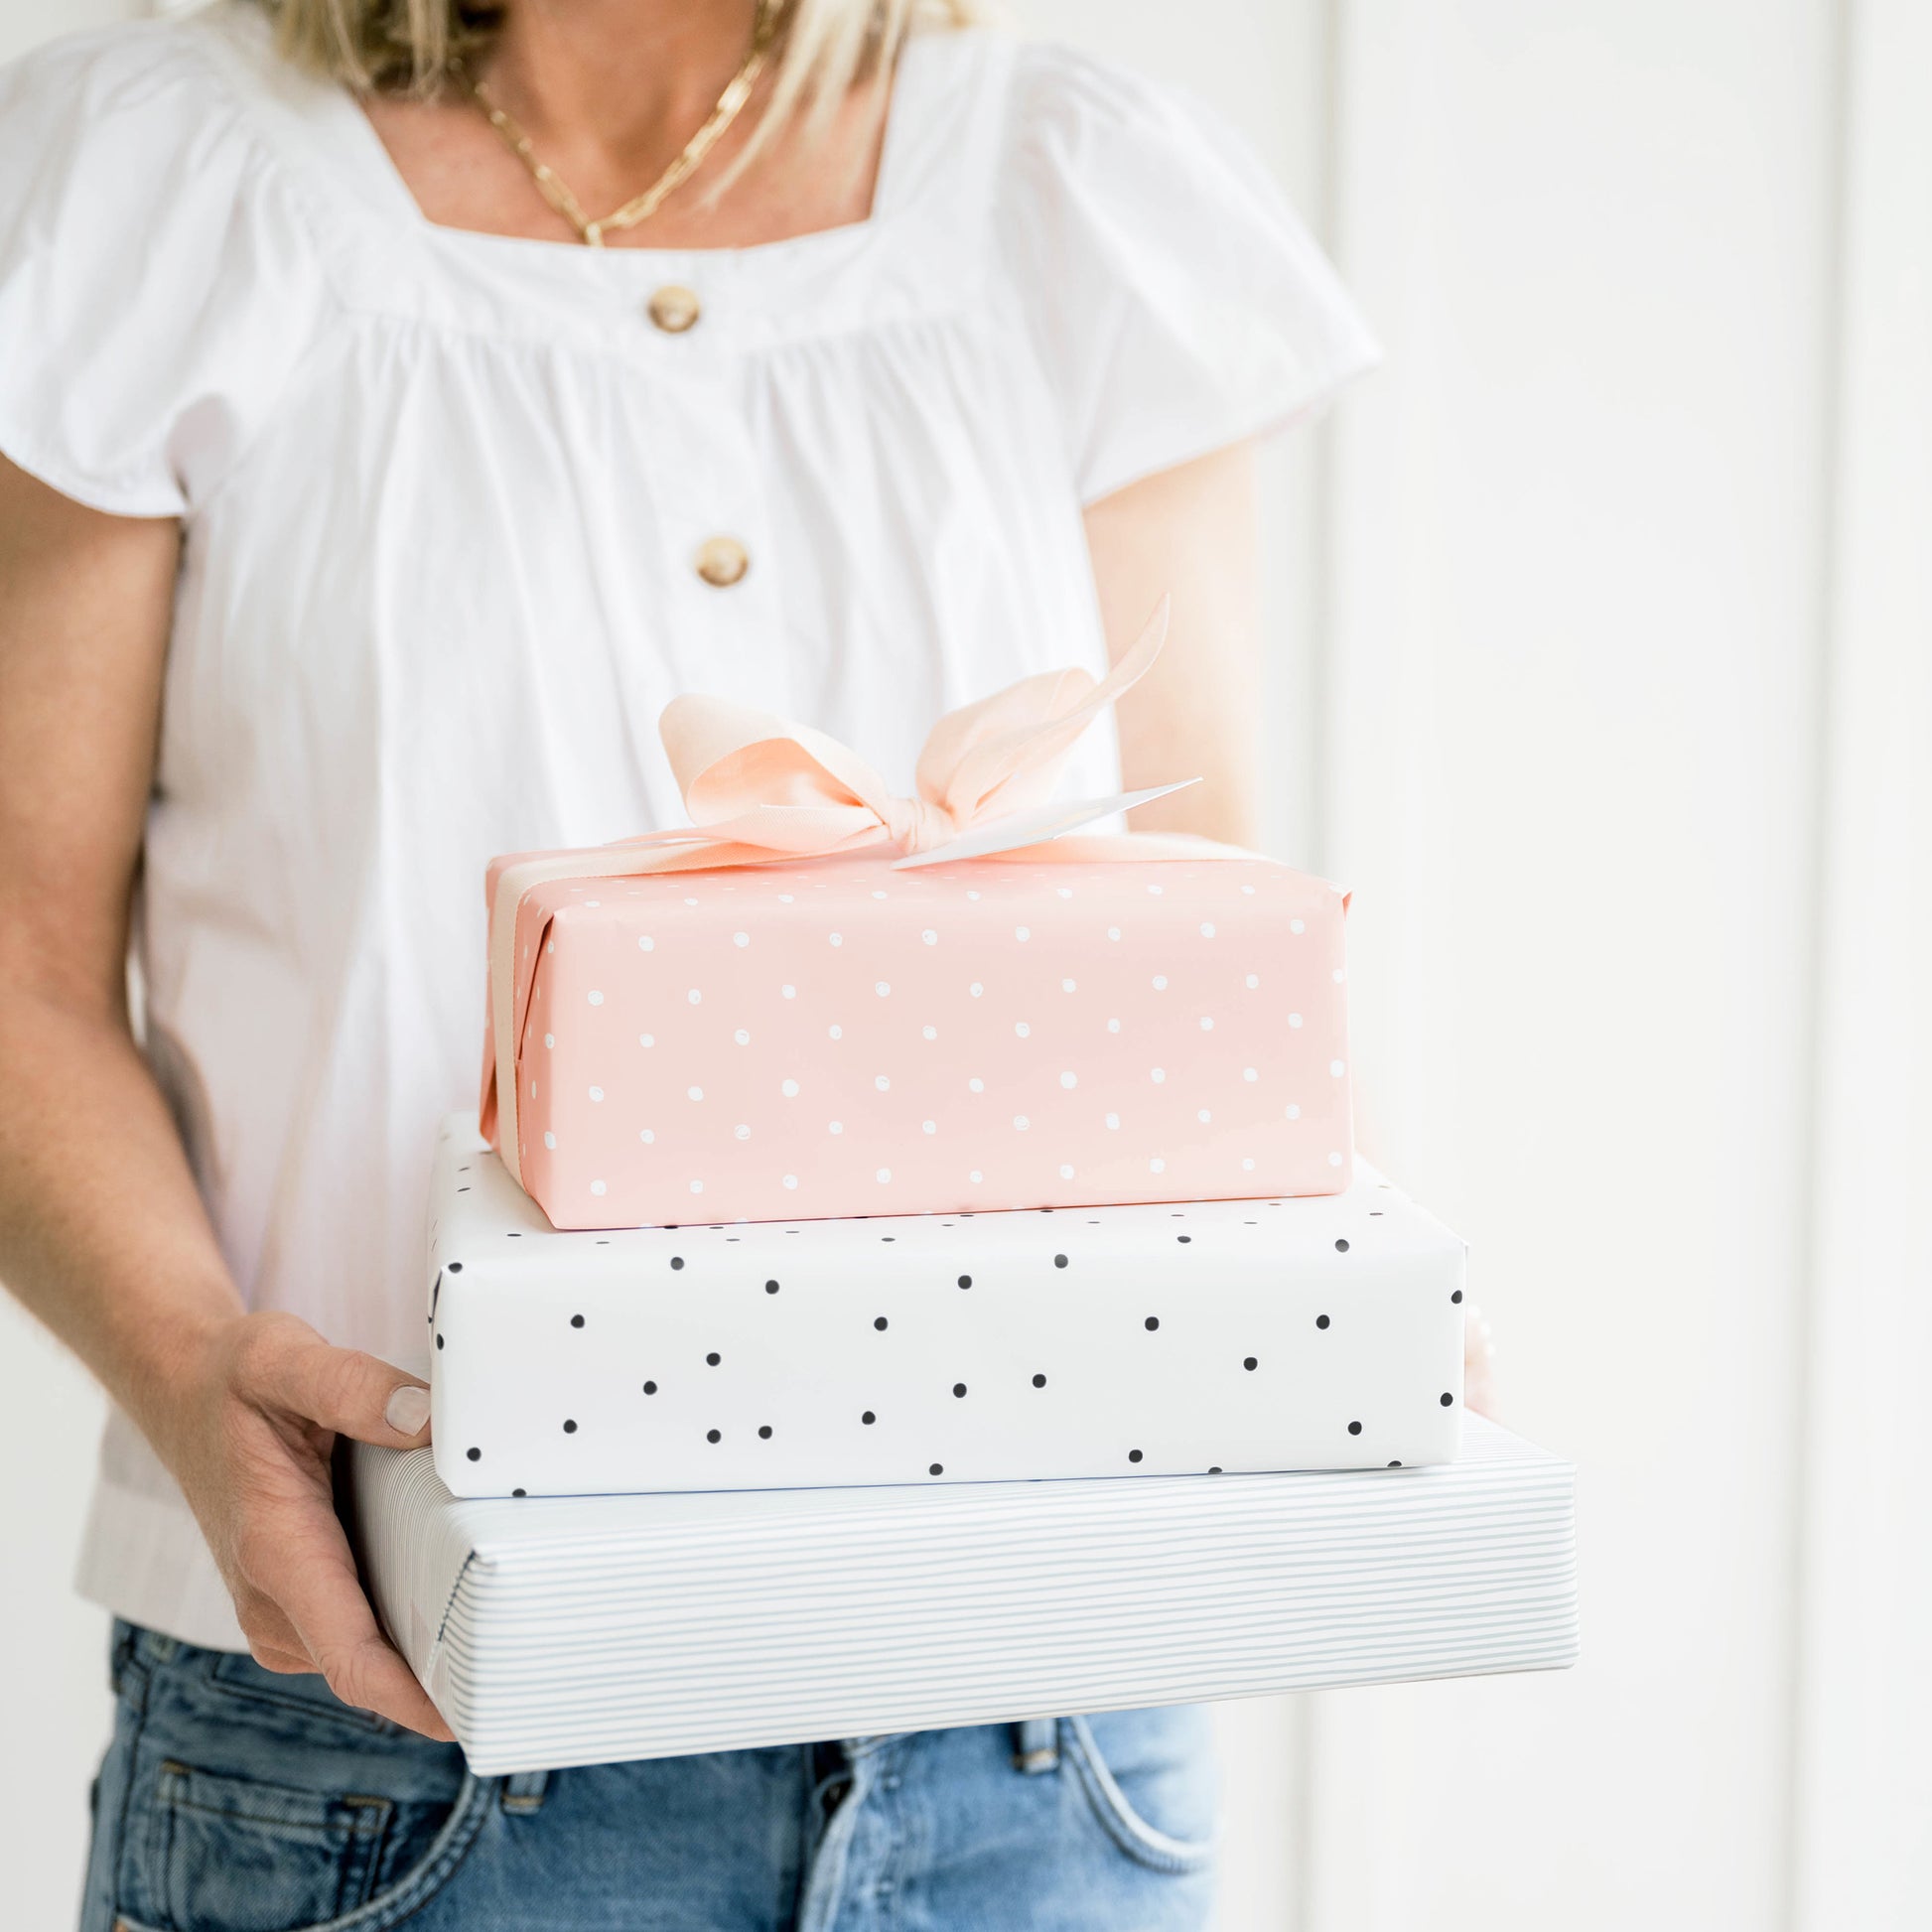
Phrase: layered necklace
[640,207]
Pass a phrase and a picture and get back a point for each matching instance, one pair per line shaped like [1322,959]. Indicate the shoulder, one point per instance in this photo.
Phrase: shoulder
[158,274]
[162,127]
[153,77]
[1038,112]
[1066,106]
[1109,171]
[1099,158]
[188,101]
[1170,294]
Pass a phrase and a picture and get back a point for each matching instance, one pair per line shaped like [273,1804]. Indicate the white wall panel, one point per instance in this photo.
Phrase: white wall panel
[1572,765]
[1863,1850]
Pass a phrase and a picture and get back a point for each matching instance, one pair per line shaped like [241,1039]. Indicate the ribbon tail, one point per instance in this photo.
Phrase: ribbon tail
[988,773]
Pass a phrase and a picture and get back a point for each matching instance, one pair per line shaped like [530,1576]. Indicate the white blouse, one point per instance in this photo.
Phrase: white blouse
[453,506]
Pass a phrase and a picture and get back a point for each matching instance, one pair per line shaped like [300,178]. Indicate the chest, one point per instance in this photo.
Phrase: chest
[484,548]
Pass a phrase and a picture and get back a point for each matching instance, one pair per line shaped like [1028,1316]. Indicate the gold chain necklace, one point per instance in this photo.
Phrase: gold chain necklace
[640,208]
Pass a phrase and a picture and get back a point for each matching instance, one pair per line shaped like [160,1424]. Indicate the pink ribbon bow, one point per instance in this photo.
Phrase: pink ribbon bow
[761,788]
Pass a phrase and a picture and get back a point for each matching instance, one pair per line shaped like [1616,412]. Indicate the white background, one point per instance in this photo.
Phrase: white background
[1604,676]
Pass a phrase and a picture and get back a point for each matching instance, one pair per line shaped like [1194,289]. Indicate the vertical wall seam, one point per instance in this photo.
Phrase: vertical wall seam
[1844,22]
[1323,525]
[1323,470]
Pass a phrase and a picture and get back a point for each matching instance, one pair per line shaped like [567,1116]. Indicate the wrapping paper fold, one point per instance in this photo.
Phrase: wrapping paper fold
[1324,1333]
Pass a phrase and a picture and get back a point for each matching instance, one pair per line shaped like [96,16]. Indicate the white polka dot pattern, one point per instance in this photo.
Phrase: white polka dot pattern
[1172,1037]
[1319,1332]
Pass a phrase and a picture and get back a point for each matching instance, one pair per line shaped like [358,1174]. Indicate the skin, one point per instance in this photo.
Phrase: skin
[102,1233]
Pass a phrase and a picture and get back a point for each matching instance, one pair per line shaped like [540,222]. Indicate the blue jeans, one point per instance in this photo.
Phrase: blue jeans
[236,1800]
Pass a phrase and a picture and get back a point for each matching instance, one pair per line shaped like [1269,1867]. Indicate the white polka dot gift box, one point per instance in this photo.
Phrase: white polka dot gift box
[1319,1332]
[824,1001]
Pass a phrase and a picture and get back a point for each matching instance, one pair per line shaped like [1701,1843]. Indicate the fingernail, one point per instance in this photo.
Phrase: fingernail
[408,1409]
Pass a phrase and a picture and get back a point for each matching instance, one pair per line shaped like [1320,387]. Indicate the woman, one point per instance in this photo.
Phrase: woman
[374,476]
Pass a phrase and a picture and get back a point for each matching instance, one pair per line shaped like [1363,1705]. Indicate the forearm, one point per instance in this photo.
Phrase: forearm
[102,1233]
[1189,534]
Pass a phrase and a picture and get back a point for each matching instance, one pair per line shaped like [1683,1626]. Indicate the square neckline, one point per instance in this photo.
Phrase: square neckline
[378,164]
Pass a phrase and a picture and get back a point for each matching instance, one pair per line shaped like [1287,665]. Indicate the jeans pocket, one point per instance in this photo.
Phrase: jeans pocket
[1153,1788]
[244,1856]
[222,1854]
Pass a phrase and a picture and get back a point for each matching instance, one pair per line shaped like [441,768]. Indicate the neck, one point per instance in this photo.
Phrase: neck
[632,79]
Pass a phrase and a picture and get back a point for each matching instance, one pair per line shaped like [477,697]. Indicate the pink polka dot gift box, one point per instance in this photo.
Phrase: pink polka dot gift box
[823,1002]
[839,1040]
[1198,1338]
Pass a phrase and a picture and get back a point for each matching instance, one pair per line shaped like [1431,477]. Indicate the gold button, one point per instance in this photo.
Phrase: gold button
[722,561]
[674,309]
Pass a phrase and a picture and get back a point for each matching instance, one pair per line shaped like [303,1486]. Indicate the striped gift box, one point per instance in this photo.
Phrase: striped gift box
[585,1630]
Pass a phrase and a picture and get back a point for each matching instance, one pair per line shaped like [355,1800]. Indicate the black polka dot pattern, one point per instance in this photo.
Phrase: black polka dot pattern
[1266,1283]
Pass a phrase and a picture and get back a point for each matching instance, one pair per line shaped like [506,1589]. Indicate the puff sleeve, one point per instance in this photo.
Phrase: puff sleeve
[1175,303]
[157,287]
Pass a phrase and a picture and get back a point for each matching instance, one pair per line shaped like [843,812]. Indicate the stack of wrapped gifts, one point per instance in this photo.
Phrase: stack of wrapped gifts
[914,1272]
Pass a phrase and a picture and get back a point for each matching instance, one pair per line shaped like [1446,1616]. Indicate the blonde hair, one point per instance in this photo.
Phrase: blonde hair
[406,46]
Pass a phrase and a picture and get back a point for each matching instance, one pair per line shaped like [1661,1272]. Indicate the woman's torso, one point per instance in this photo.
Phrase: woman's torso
[445,496]
[431,612]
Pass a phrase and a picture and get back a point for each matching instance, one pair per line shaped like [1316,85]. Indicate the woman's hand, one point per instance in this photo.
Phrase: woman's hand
[247,1427]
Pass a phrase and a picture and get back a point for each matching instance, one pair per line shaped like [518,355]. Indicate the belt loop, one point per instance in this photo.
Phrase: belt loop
[1037,1746]
[121,1656]
[525,1790]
